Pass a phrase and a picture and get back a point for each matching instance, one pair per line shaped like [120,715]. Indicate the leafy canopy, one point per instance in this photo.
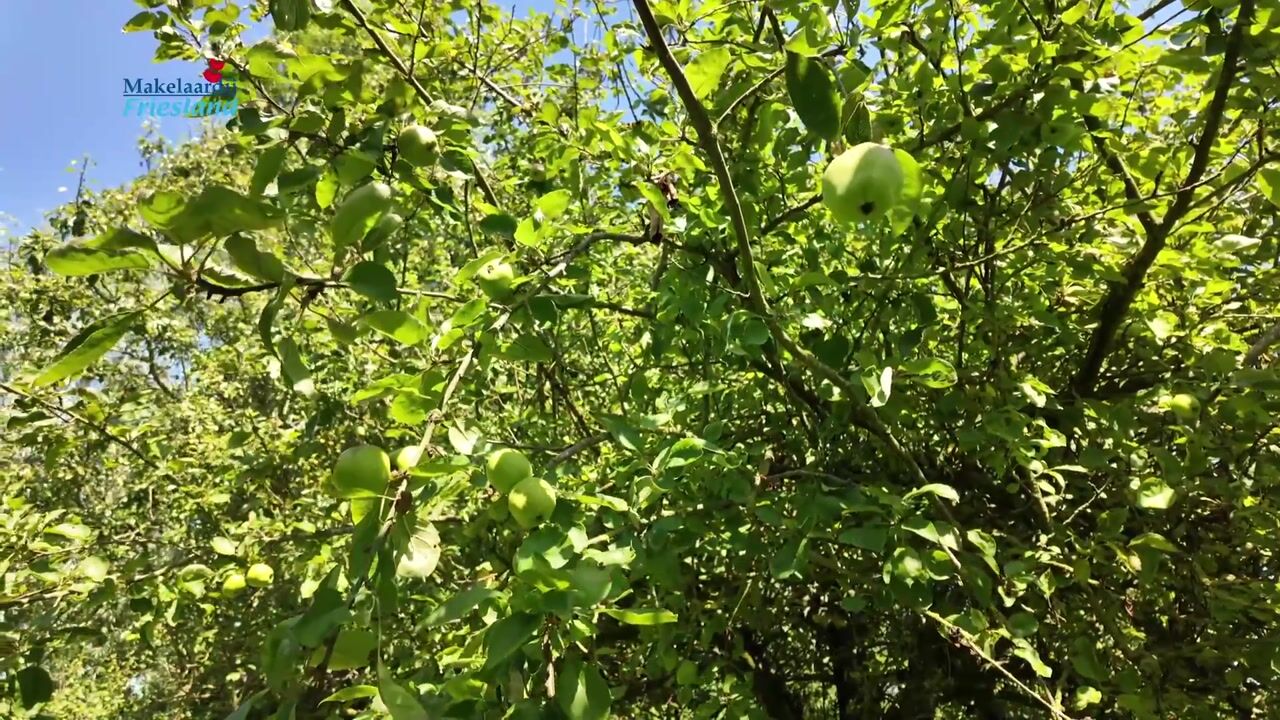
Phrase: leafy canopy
[1009,451]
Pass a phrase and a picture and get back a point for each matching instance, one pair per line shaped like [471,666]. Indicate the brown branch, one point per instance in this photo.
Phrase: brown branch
[576,448]
[64,413]
[1115,305]
[711,146]
[1268,338]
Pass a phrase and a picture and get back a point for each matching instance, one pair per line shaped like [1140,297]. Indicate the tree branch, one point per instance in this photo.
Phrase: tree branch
[64,413]
[1268,338]
[1115,305]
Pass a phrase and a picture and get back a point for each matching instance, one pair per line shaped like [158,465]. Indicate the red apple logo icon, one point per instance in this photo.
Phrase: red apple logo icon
[214,72]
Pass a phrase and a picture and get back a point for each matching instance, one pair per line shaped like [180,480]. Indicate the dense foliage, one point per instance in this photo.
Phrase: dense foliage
[1009,451]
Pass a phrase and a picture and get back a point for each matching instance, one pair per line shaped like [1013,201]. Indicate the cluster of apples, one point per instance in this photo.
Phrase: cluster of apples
[530,499]
[259,575]
[863,183]
[364,471]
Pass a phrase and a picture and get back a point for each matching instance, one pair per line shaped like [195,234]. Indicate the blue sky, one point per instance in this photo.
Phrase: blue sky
[62,69]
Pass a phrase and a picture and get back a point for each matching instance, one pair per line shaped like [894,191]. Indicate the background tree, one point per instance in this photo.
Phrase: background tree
[1009,451]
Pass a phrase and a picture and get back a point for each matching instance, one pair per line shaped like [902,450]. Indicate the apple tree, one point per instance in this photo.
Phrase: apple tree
[782,359]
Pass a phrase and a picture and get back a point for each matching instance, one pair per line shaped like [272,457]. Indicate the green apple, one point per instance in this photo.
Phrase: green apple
[418,145]
[863,183]
[531,501]
[361,471]
[1185,406]
[506,467]
[359,212]
[260,575]
[233,584]
[406,457]
[495,278]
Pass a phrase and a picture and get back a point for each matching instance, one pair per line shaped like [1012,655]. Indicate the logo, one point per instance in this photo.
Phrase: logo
[214,95]
[214,73]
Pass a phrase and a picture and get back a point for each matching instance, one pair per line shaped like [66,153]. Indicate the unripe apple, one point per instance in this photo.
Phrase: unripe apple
[506,467]
[407,457]
[1184,406]
[418,145]
[531,501]
[495,278]
[233,584]
[361,471]
[359,211]
[260,575]
[863,183]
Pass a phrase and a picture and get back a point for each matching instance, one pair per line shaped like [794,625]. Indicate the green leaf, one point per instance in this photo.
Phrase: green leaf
[553,204]
[581,691]
[373,280]
[247,258]
[939,489]
[871,537]
[642,616]
[221,211]
[529,232]
[295,370]
[267,168]
[399,701]
[358,213]
[1155,541]
[290,14]
[460,605]
[857,122]
[224,546]
[326,189]
[94,568]
[790,559]
[397,325]
[355,692]
[146,21]
[269,311]
[1076,13]
[705,71]
[122,238]
[528,347]
[1086,696]
[351,649]
[34,686]
[246,707]
[930,372]
[90,344]
[924,528]
[328,611]
[71,531]
[878,385]
[500,224]
[1023,624]
[75,260]
[813,94]
[422,555]
[162,209]
[1084,658]
[1232,243]
[625,435]
[591,584]
[1268,180]
[1024,650]
[508,635]
[1155,494]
